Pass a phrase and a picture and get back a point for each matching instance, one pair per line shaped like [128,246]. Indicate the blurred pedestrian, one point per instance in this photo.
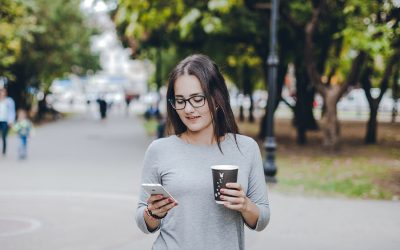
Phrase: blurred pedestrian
[24,128]
[7,116]
[161,123]
[203,132]
[102,107]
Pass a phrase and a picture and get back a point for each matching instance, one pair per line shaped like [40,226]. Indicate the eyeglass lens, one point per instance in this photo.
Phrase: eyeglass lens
[195,102]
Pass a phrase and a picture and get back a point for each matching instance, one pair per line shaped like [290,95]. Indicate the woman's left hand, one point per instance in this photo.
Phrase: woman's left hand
[234,197]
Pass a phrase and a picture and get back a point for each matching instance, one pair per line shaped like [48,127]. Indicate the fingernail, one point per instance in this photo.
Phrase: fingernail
[222,190]
[228,184]
[175,204]
[222,197]
[170,200]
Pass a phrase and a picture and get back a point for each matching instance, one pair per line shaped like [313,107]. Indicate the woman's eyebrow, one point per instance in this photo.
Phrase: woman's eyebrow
[189,95]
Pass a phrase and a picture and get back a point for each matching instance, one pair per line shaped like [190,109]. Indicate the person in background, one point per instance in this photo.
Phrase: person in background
[102,106]
[24,128]
[7,116]
[203,132]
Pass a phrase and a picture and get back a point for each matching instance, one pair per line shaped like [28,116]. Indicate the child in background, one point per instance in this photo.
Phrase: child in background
[23,127]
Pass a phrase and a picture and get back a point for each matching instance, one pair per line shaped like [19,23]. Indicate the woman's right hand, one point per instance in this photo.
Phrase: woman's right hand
[159,205]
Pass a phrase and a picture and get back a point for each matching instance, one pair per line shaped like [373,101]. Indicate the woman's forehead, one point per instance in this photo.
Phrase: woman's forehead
[187,85]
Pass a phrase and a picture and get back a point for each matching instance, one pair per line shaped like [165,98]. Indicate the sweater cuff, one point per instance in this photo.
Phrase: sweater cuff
[142,223]
[263,218]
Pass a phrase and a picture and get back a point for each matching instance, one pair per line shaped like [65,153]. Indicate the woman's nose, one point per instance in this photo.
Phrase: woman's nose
[189,108]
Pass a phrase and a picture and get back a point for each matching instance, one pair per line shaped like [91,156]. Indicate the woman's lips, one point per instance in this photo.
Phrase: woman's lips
[192,118]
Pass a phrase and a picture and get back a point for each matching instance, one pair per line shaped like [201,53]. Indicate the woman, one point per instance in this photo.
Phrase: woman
[204,133]
[7,116]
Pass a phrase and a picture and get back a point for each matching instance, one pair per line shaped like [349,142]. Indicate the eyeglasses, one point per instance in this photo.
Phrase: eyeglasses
[196,101]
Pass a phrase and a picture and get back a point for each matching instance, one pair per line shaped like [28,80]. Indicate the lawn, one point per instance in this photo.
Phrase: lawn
[355,171]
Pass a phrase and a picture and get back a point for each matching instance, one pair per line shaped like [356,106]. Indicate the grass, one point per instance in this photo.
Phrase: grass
[354,178]
[355,171]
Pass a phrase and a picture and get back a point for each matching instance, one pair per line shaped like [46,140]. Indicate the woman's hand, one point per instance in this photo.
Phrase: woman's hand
[159,205]
[234,197]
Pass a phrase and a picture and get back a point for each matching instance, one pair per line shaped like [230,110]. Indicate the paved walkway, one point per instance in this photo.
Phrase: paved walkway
[78,191]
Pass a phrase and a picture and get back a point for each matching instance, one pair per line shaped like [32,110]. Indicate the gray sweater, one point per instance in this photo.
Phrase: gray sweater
[184,170]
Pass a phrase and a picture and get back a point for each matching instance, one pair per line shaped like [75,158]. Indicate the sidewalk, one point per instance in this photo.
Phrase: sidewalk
[78,191]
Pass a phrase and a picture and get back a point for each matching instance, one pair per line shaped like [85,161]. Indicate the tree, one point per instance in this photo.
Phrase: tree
[59,45]
[226,30]
[376,32]
[330,93]
[149,28]
[16,24]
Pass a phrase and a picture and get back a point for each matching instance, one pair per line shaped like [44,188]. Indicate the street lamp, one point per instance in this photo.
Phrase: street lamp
[270,168]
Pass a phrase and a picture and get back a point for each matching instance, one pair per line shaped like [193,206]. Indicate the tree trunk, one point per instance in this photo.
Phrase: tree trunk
[251,109]
[241,113]
[372,126]
[371,135]
[395,92]
[394,111]
[329,122]
[303,117]
[248,89]
[159,69]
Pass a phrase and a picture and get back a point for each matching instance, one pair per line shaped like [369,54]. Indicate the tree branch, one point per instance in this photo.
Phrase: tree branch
[366,83]
[338,49]
[388,72]
[354,74]
[310,27]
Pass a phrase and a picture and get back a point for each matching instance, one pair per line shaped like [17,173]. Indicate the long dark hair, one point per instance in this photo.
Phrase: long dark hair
[217,95]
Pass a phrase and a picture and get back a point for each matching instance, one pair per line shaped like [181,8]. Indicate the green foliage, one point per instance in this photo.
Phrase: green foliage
[227,29]
[222,29]
[59,45]
[372,27]
[16,24]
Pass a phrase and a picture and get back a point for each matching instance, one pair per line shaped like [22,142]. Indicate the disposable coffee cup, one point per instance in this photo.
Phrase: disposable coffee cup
[223,174]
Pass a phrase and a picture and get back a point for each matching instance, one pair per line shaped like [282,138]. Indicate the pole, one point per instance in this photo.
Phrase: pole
[270,168]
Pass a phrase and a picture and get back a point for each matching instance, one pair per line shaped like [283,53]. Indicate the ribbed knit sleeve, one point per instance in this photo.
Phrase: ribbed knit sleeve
[257,190]
[149,175]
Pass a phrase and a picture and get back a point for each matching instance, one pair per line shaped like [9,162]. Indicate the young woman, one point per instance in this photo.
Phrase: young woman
[7,116]
[204,133]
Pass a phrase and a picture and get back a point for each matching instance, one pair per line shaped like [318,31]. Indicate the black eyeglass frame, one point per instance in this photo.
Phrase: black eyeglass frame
[188,100]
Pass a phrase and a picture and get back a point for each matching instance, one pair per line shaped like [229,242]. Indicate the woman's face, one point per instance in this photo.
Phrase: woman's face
[197,118]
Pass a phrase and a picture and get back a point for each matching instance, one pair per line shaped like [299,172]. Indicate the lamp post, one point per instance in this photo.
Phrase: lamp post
[270,168]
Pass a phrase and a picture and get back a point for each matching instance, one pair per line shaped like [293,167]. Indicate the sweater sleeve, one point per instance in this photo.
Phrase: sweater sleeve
[257,190]
[149,175]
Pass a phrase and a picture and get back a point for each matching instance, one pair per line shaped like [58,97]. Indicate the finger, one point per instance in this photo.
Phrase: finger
[157,203]
[232,192]
[165,208]
[236,207]
[233,200]
[234,185]
[154,198]
[163,202]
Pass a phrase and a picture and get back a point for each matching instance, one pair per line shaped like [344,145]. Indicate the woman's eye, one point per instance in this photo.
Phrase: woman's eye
[179,101]
[198,98]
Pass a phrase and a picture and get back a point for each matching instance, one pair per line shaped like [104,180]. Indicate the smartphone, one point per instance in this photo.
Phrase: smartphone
[152,188]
